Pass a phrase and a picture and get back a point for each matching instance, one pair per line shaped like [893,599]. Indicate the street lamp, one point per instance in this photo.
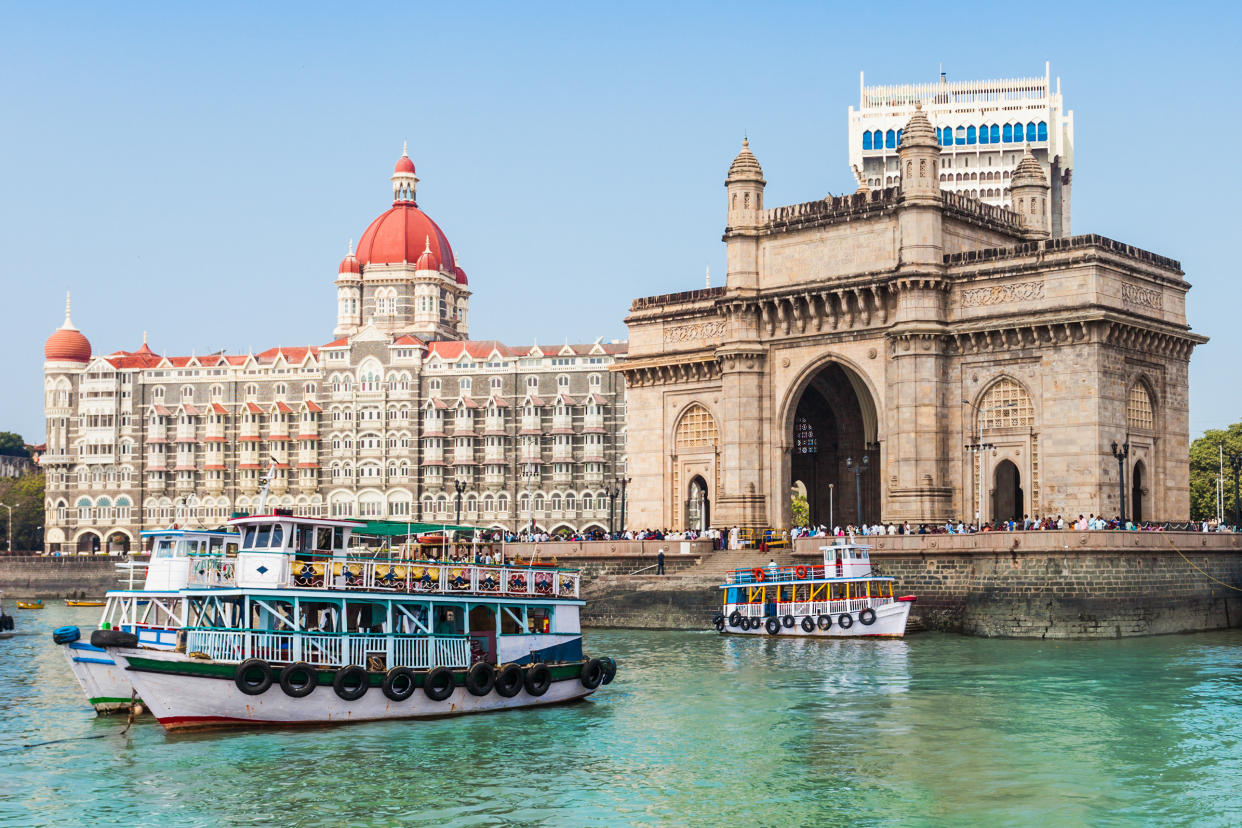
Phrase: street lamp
[831,491]
[623,482]
[612,492]
[1235,463]
[858,469]
[1121,456]
[459,486]
[10,508]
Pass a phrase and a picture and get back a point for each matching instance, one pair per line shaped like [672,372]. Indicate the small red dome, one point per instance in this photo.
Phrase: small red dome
[404,165]
[428,260]
[349,264]
[67,344]
[461,276]
[401,235]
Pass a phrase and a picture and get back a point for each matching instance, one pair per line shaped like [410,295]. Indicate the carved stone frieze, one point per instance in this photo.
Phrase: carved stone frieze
[999,294]
[1138,296]
[695,332]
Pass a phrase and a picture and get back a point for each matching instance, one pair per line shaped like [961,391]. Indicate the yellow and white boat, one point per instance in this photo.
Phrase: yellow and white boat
[35,604]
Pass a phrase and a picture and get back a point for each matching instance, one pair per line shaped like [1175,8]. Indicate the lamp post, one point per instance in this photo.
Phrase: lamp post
[858,469]
[979,448]
[10,508]
[1121,455]
[623,482]
[831,492]
[612,492]
[459,486]
[1235,463]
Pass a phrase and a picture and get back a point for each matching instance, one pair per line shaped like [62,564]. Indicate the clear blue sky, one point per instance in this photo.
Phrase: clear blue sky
[195,170]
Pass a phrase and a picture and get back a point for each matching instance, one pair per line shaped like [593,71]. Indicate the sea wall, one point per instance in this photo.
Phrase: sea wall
[37,576]
[1063,584]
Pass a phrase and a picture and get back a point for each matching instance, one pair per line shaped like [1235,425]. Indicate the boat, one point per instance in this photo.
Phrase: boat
[153,611]
[6,621]
[69,602]
[297,630]
[839,598]
[31,605]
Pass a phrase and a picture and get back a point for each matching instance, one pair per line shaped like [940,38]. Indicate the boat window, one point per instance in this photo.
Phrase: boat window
[323,537]
[404,616]
[539,619]
[510,620]
[365,617]
[278,535]
[263,537]
[317,616]
[271,615]
[163,548]
[449,621]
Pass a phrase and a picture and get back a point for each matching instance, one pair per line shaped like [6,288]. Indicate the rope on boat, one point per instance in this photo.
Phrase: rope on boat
[54,742]
[1200,571]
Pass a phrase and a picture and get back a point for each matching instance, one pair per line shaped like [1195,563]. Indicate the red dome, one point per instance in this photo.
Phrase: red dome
[401,235]
[349,264]
[428,260]
[404,165]
[67,345]
[461,276]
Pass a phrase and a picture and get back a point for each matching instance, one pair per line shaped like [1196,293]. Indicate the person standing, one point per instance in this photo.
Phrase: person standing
[660,562]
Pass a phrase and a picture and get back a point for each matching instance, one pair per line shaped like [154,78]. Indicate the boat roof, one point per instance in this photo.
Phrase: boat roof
[783,582]
[361,595]
[211,533]
[311,521]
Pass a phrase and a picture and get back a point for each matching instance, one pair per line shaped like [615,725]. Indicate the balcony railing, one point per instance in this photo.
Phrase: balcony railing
[319,649]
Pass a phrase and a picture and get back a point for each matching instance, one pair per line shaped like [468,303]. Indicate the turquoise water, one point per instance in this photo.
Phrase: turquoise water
[696,730]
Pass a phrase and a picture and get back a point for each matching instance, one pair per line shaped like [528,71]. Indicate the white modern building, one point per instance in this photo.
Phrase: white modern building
[983,127]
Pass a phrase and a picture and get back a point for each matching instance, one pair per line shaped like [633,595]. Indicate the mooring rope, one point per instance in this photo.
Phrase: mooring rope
[1200,571]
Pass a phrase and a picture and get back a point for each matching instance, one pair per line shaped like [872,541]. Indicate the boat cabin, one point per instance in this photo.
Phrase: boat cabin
[846,560]
[272,545]
[173,552]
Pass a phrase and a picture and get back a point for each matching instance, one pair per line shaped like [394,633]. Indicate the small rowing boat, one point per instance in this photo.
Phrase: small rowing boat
[35,604]
[71,603]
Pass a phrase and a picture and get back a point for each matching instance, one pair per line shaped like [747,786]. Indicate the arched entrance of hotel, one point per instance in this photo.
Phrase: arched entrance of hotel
[88,543]
[834,449]
[1006,492]
[118,542]
[698,506]
[1138,480]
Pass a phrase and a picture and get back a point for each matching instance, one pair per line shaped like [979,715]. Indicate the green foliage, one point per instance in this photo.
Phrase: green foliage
[801,510]
[25,495]
[12,445]
[1205,467]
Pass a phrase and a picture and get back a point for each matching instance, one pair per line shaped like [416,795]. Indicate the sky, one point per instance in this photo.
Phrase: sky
[195,171]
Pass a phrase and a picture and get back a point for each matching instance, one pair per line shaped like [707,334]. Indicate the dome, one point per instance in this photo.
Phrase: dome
[350,264]
[1028,172]
[918,131]
[428,260]
[404,165]
[745,166]
[461,276]
[394,238]
[67,344]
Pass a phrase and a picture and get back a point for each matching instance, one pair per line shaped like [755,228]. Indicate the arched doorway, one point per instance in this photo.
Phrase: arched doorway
[1138,479]
[118,542]
[834,449]
[1006,492]
[88,543]
[698,506]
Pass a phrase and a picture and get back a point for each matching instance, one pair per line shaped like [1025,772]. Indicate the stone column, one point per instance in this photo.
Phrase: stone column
[747,419]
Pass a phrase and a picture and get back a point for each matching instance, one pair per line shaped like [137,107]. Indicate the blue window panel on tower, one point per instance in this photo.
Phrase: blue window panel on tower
[995,133]
[983,134]
[867,140]
[1043,130]
[1030,132]
[1008,133]
[890,139]
[877,140]
[970,135]
[899,137]
[960,136]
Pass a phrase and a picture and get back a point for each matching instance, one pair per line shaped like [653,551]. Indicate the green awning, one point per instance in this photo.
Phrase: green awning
[395,529]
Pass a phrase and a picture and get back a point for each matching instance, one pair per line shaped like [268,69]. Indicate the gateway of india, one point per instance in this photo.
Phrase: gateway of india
[927,348]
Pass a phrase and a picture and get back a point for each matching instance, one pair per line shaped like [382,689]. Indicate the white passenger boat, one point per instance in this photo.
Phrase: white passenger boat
[153,613]
[297,630]
[836,599]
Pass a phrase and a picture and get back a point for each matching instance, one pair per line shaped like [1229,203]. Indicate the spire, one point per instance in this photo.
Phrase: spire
[351,247]
[68,324]
[144,337]
[707,280]
[427,244]
[745,166]
[405,148]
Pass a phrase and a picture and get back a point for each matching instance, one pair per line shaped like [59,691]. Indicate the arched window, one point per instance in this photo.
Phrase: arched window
[959,136]
[877,140]
[899,137]
[890,139]
[867,140]
[1006,405]
[1043,131]
[502,503]
[1008,133]
[804,437]
[1139,411]
[1031,133]
[995,133]
[970,135]
[524,503]
[696,429]
[946,137]
[983,134]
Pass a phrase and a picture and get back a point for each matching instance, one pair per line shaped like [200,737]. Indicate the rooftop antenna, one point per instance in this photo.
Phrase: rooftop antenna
[265,482]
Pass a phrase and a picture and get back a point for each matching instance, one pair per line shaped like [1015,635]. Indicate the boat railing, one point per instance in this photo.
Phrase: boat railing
[785,574]
[407,577]
[319,649]
[800,608]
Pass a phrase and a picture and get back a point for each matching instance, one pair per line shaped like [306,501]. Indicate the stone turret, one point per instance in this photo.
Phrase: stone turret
[1028,195]
[921,216]
[919,157]
[745,192]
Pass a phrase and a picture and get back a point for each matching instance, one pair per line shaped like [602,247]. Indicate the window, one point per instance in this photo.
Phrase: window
[1008,133]
[594,380]
[890,139]
[696,429]
[158,393]
[983,134]
[995,133]
[1139,411]
[187,392]
[562,381]
[867,140]
[495,383]
[532,383]
[1006,405]
[1031,133]
[804,437]
[970,135]
[1042,132]
[434,384]
[464,384]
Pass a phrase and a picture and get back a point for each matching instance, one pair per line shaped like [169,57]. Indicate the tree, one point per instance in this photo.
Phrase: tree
[12,445]
[25,495]
[1205,467]
[801,510]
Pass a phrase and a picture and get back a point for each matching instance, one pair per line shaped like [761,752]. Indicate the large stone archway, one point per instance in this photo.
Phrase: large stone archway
[833,451]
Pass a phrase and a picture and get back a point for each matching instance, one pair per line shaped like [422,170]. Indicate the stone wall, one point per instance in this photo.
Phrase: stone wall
[1063,584]
[59,577]
[614,558]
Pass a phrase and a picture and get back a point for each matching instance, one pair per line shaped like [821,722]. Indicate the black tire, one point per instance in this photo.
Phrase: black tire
[808,624]
[6,622]
[299,679]
[824,622]
[735,618]
[480,679]
[719,625]
[253,676]
[867,617]
[509,681]
[717,619]
[592,674]
[787,622]
[399,684]
[756,622]
[351,683]
[772,626]
[845,620]
[114,638]
[64,635]
[610,668]
[538,679]
[439,684]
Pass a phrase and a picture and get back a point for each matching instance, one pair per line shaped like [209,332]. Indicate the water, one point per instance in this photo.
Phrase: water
[696,730]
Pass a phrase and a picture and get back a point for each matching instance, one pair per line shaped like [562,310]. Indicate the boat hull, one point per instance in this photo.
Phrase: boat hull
[105,683]
[890,622]
[185,695]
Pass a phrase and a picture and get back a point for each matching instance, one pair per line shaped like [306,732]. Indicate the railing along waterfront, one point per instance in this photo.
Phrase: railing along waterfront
[411,577]
[421,652]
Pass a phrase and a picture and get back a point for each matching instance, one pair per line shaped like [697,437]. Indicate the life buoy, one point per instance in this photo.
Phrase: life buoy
[399,684]
[480,679]
[808,624]
[253,676]
[867,616]
[610,668]
[509,681]
[845,620]
[718,617]
[63,635]
[439,684]
[758,573]
[538,679]
[824,622]
[735,618]
[720,624]
[351,683]
[773,626]
[800,572]
[788,621]
[592,674]
[298,679]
